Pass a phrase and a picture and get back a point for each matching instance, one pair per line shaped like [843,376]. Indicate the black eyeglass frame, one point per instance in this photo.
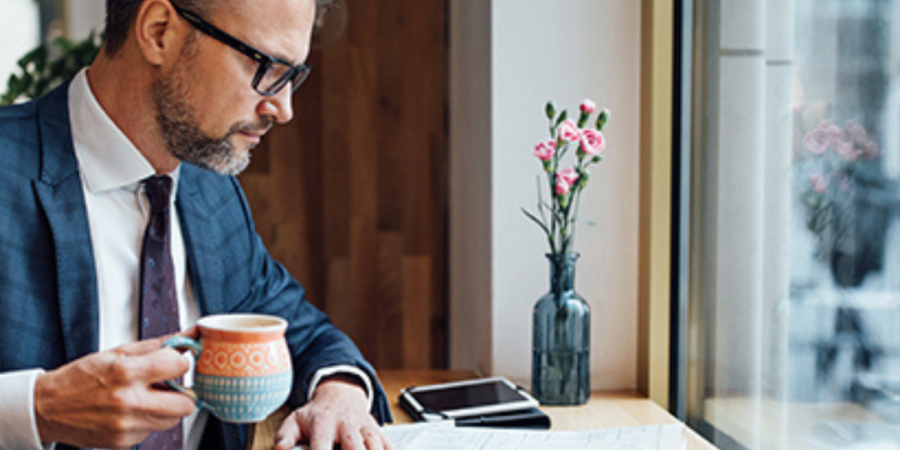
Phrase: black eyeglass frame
[295,74]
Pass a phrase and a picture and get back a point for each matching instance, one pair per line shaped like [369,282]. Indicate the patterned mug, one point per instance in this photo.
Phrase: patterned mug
[243,368]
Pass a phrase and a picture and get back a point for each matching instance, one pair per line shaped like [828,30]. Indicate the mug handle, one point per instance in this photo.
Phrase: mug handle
[179,343]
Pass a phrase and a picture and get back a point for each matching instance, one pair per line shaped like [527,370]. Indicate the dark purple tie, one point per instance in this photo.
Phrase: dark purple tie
[159,304]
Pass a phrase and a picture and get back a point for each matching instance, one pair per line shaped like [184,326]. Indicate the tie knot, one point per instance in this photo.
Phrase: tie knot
[159,190]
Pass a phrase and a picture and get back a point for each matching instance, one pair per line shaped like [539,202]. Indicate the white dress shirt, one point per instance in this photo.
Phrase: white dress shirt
[111,169]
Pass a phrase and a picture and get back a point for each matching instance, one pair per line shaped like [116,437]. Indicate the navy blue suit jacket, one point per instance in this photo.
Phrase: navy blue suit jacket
[48,291]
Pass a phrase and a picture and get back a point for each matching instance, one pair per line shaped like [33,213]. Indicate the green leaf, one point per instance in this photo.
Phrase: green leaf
[41,86]
[38,53]
[583,178]
[27,80]
[562,117]
[584,221]
[583,118]
[15,85]
[537,221]
[602,118]
[48,64]
[63,44]
[548,166]
[550,110]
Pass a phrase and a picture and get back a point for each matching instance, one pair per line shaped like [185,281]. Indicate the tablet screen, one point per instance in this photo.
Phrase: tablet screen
[492,392]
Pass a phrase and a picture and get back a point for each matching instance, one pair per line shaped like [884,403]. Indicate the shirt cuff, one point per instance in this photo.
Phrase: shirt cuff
[18,425]
[334,370]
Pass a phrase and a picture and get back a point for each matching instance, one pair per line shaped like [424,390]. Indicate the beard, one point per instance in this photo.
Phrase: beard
[183,136]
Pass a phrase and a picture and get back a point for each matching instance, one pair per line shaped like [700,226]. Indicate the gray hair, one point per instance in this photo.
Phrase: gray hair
[121,14]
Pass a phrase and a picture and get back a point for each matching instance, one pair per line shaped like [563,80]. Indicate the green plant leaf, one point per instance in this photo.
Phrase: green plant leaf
[63,44]
[550,110]
[583,118]
[562,117]
[602,118]
[536,220]
[38,53]
[584,221]
[48,65]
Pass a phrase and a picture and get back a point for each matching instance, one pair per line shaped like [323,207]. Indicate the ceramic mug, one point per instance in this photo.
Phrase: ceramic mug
[243,367]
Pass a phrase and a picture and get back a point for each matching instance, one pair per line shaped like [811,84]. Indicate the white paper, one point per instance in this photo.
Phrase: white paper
[444,436]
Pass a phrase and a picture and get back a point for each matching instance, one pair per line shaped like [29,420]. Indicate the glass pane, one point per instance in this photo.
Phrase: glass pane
[794,259]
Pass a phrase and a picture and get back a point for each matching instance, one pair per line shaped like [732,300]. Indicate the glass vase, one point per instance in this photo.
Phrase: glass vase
[560,365]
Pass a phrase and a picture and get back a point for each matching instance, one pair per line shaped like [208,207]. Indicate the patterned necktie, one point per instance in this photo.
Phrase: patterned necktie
[158,302]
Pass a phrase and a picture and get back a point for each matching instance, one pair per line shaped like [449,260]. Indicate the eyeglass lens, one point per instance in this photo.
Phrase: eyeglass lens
[277,75]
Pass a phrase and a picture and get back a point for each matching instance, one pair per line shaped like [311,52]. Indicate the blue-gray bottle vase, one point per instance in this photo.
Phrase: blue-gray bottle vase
[560,367]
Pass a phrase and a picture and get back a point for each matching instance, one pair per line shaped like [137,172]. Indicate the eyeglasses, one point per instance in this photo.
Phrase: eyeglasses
[272,74]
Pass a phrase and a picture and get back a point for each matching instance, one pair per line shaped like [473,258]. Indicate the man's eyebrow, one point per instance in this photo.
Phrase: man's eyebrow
[284,58]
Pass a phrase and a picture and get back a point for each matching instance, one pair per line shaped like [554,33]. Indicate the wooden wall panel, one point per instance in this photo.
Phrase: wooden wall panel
[352,195]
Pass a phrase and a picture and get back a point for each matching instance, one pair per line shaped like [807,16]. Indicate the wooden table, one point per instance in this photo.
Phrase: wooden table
[606,409]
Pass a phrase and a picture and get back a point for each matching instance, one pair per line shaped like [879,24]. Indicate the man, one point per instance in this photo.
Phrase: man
[193,81]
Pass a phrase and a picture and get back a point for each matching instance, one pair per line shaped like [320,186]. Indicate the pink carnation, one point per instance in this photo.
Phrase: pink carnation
[816,141]
[846,150]
[568,175]
[819,182]
[568,131]
[545,150]
[819,140]
[846,183]
[564,180]
[588,106]
[592,142]
[856,133]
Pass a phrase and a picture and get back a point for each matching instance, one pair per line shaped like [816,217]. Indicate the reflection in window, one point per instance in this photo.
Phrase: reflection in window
[794,259]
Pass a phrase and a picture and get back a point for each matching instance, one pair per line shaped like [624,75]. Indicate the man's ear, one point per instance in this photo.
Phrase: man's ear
[158,32]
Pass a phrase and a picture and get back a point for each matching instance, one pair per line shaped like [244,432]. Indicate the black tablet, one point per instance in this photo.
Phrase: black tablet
[466,398]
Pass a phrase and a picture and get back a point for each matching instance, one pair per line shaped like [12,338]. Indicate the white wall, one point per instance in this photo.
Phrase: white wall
[508,57]
[84,16]
[20,28]
[471,275]
[19,33]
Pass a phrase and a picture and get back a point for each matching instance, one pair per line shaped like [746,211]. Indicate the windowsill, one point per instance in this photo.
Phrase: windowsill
[779,425]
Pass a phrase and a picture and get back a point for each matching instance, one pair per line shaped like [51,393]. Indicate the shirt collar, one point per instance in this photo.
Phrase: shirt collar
[106,157]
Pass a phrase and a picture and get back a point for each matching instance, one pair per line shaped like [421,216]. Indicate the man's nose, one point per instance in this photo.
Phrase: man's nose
[278,106]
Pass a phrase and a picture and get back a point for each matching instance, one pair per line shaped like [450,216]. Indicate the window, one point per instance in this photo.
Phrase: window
[791,273]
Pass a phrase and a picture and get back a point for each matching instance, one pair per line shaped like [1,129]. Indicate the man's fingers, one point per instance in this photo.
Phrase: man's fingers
[351,438]
[148,345]
[289,434]
[323,434]
[141,347]
[107,399]
[166,405]
[192,332]
[373,440]
[153,367]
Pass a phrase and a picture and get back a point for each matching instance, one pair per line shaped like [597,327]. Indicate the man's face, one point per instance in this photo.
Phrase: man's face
[206,108]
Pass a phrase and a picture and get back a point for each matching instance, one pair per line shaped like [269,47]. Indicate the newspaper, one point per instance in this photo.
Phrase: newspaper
[445,436]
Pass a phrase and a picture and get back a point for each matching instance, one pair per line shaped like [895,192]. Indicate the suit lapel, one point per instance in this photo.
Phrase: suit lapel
[200,240]
[60,192]
[200,197]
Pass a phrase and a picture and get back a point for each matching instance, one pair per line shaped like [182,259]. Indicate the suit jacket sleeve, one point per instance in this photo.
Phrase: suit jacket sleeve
[315,342]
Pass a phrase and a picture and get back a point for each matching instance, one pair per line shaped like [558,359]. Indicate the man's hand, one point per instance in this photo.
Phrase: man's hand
[337,414]
[108,399]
